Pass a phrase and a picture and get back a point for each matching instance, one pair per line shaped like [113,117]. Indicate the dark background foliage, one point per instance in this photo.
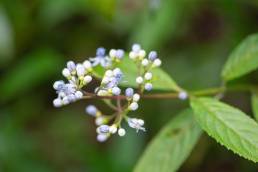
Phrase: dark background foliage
[37,37]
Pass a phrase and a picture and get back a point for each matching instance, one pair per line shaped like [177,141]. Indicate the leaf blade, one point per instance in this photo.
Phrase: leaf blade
[228,125]
[242,60]
[171,146]
[255,105]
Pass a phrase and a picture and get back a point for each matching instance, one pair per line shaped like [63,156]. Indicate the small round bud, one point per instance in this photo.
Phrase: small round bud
[80,70]
[157,62]
[66,73]
[105,80]
[100,51]
[113,129]
[142,54]
[133,106]
[129,92]
[120,53]
[87,64]
[109,73]
[183,95]
[136,47]
[148,76]
[102,137]
[139,80]
[102,93]
[112,53]
[117,71]
[78,94]
[148,86]
[145,62]
[57,84]
[132,55]
[136,97]
[141,122]
[57,102]
[91,110]
[103,129]
[71,98]
[99,120]
[87,79]
[116,91]
[121,132]
[71,66]
[65,100]
[152,55]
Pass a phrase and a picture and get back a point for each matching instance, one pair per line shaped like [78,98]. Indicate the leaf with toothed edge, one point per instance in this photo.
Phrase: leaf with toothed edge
[228,125]
[170,148]
[243,60]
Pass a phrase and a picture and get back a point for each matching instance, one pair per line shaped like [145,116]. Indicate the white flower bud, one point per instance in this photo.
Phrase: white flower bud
[66,73]
[87,64]
[132,55]
[136,97]
[142,54]
[65,100]
[157,62]
[112,53]
[139,80]
[102,93]
[57,102]
[78,94]
[133,106]
[113,129]
[136,47]
[87,79]
[71,66]
[99,121]
[80,70]
[105,80]
[141,122]
[117,71]
[183,95]
[57,84]
[148,86]
[121,132]
[145,62]
[102,137]
[116,91]
[148,76]
[109,73]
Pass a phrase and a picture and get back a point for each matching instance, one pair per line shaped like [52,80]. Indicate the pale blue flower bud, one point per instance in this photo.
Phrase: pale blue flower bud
[91,110]
[120,53]
[101,52]
[129,92]
[116,91]
[148,86]
[71,66]
[103,129]
[152,55]
[136,47]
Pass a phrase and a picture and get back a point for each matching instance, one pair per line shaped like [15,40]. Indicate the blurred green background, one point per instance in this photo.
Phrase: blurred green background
[37,37]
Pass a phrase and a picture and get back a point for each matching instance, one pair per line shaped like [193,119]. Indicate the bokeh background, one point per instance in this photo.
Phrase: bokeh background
[37,37]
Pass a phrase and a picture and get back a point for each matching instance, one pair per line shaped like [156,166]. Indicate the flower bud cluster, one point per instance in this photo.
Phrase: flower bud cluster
[81,74]
[147,63]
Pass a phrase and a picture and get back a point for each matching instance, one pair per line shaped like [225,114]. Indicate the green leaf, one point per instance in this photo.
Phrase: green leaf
[255,105]
[243,60]
[169,149]
[229,126]
[161,80]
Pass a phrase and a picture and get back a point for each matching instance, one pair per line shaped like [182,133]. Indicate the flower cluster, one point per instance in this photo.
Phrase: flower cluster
[144,80]
[81,74]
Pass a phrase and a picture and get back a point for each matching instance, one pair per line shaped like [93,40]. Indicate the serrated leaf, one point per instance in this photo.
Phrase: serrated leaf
[243,60]
[161,80]
[228,125]
[255,105]
[169,149]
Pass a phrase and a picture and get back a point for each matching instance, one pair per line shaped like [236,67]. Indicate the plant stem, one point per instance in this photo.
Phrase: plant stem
[205,92]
